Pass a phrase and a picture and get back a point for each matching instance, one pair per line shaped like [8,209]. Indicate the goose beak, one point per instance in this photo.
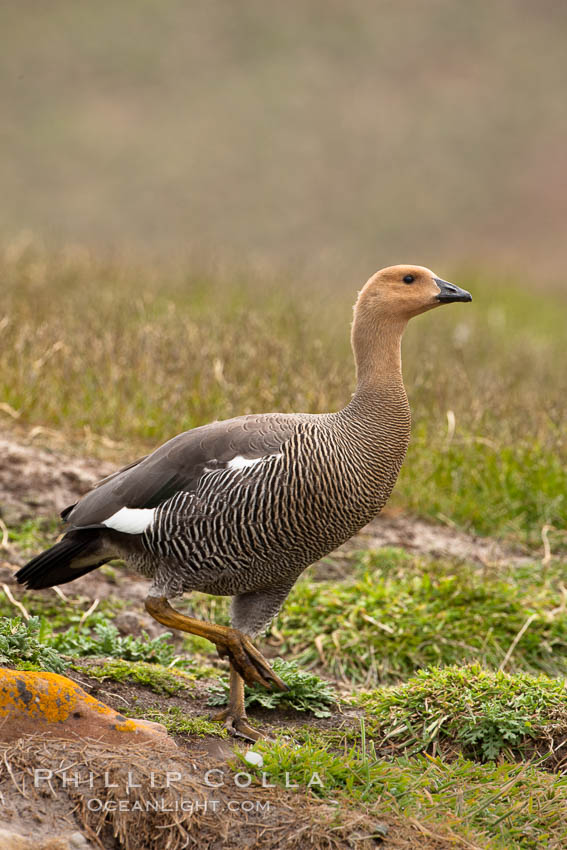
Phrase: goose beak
[449,292]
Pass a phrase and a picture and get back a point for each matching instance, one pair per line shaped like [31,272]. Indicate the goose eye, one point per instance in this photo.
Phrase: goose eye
[409,278]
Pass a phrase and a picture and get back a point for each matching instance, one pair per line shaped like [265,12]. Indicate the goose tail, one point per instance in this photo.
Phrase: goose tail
[79,552]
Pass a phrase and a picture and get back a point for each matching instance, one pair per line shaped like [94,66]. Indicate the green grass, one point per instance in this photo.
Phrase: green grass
[169,353]
[397,614]
[422,747]
[488,488]
[394,614]
[481,713]
[503,806]
[34,534]
[60,614]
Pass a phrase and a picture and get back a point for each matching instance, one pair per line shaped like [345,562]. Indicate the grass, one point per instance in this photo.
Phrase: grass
[394,614]
[398,613]
[62,615]
[425,749]
[33,534]
[160,357]
[480,713]
[427,635]
[488,487]
[502,806]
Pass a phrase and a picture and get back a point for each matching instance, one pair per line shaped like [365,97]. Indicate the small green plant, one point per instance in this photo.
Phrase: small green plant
[107,641]
[33,534]
[307,692]
[22,644]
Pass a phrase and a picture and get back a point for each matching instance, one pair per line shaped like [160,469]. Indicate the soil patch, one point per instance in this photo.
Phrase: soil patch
[125,696]
[38,481]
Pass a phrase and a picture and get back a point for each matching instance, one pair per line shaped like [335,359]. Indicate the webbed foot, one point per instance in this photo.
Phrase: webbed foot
[249,661]
[237,724]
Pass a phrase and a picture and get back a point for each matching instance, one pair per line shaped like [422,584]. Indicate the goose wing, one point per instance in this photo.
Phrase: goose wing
[179,464]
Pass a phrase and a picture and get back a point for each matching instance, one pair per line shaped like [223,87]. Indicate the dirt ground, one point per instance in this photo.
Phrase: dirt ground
[38,481]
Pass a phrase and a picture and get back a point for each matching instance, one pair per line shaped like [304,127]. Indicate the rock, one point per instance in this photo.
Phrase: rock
[47,703]
[15,841]
[128,623]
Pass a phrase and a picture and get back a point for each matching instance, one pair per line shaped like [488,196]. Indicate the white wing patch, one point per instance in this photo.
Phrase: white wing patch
[131,520]
[240,462]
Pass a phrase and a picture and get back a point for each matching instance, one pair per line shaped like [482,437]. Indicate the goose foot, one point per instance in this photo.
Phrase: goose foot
[248,661]
[237,725]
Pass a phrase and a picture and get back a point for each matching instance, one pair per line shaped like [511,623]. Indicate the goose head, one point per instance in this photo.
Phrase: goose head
[401,292]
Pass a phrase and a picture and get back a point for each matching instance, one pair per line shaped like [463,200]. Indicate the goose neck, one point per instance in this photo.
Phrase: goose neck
[377,347]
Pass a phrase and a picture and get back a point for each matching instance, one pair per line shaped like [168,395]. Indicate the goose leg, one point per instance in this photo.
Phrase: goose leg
[241,652]
[234,715]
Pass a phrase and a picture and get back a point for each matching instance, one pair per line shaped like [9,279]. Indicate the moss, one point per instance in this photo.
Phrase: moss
[179,723]
[159,679]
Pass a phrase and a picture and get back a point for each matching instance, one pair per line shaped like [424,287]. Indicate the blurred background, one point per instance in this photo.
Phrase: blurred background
[326,137]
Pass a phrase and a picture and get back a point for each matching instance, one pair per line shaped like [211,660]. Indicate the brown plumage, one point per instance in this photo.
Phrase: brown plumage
[242,507]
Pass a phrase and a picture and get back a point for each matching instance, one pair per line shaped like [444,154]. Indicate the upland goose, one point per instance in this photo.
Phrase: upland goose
[240,508]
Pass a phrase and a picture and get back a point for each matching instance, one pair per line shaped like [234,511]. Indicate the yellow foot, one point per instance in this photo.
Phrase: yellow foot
[249,662]
[237,725]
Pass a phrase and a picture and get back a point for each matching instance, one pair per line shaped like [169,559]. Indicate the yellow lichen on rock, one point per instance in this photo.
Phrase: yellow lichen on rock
[36,702]
[45,696]
[126,726]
